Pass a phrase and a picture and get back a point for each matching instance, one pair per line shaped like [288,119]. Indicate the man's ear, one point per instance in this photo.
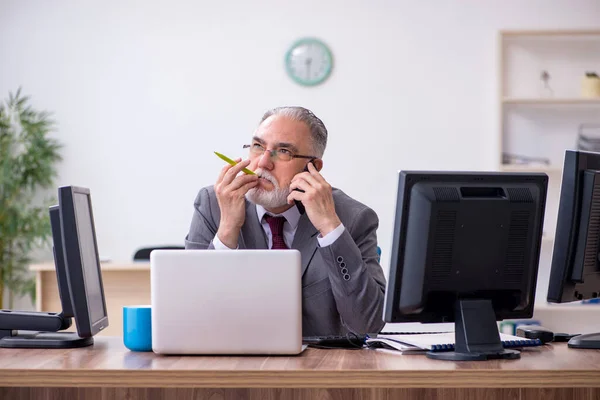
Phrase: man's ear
[318,163]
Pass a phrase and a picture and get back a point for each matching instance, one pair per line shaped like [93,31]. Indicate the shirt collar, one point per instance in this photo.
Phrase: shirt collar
[292,215]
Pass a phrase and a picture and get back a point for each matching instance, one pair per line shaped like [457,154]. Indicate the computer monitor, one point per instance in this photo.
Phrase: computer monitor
[82,260]
[465,249]
[73,236]
[59,263]
[575,269]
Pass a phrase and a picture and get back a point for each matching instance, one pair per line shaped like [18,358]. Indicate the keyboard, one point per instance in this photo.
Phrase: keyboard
[351,341]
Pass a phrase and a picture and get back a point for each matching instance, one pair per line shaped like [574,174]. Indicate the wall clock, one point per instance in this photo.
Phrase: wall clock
[309,62]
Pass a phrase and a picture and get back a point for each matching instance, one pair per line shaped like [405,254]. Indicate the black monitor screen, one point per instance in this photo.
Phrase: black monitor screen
[89,259]
[82,260]
[59,262]
[465,249]
[575,271]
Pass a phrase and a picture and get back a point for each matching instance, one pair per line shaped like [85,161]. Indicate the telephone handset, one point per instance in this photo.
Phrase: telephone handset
[299,203]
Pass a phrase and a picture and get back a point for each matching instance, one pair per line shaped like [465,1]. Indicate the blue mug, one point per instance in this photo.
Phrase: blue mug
[137,328]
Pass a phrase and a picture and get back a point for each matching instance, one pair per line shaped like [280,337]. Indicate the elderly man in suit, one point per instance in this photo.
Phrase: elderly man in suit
[342,282]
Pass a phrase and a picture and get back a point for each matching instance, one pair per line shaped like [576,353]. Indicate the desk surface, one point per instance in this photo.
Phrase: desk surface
[109,364]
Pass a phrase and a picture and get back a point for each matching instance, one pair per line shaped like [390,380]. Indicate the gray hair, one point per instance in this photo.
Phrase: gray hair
[317,128]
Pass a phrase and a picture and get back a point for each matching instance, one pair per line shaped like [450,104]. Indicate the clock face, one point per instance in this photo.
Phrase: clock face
[309,62]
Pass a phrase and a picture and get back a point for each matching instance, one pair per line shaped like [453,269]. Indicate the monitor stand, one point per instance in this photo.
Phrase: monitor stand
[35,330]
[587,341]
[44,340]
[476,334]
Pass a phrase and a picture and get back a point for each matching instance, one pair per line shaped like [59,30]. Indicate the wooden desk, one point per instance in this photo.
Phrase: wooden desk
[108,370]
[125,284]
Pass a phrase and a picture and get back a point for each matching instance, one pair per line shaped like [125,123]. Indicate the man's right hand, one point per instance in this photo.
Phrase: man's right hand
[231,191]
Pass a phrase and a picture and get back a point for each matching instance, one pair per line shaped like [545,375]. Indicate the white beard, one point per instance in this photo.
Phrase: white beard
[269,199]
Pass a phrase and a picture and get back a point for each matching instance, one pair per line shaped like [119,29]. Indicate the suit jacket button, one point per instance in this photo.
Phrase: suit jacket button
[347,277]
[342,265]
[344,271]
[340,259]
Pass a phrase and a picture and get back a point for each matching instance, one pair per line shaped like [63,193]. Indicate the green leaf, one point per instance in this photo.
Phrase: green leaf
[28,159]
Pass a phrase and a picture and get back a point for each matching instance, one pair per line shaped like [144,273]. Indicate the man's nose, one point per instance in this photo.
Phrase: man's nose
[265,160]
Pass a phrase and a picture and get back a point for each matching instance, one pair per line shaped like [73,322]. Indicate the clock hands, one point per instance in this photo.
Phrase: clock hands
[308,61]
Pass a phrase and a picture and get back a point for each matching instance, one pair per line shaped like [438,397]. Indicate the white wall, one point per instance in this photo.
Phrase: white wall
[144,91]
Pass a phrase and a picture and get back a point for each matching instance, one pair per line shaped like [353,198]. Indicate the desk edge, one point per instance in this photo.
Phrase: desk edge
[300,379]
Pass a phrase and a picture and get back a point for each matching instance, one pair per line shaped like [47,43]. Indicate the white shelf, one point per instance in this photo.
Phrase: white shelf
[530,168]
[574,306]
[552,33]
[540,127]
[554,102]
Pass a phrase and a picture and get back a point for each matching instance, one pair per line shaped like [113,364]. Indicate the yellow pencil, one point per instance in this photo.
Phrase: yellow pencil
[230,161]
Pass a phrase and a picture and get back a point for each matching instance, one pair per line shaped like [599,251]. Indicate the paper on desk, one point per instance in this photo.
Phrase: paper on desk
[419,341]
[381,343]
[408,342]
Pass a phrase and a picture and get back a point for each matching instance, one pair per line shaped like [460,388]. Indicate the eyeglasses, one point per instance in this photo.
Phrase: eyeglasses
[282,154]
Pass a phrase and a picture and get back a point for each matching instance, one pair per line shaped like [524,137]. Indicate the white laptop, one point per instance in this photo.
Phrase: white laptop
[226,301]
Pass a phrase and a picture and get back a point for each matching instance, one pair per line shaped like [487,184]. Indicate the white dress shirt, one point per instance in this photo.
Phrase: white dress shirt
[292,217]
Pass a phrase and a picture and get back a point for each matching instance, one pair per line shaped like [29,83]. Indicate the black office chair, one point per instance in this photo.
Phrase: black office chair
[144,254]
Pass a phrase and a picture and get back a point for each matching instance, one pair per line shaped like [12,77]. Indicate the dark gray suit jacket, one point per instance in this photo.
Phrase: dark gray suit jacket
[333,303]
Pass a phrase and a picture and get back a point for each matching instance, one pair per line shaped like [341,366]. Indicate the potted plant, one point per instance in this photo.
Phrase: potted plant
[28,158]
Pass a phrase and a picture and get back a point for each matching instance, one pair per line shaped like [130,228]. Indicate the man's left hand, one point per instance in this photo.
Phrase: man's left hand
[317,199]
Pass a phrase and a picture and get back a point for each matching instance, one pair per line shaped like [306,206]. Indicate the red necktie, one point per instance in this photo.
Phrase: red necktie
[276,225]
